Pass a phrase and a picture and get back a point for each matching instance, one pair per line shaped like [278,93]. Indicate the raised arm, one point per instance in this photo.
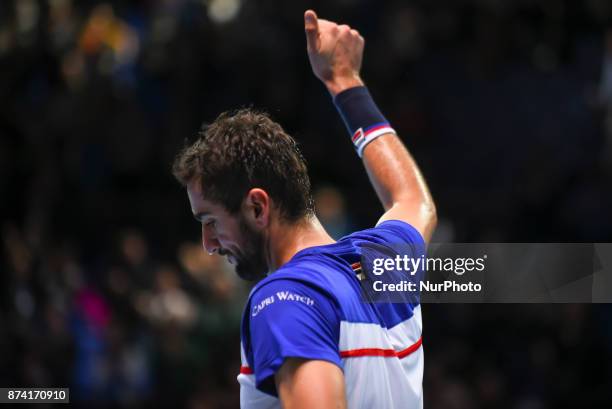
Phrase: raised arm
[335,53]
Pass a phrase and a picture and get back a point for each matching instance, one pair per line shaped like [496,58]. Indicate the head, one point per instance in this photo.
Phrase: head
[244,174]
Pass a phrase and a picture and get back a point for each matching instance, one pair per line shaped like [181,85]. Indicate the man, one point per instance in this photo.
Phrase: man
[308,338]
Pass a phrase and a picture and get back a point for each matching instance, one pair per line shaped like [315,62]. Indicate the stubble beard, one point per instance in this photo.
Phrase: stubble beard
[251,265]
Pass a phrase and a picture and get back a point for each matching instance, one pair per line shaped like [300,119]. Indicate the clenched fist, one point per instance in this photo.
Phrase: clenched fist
[335,52]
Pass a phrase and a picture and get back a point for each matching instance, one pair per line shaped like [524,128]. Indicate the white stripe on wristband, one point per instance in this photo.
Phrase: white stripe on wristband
[362,138]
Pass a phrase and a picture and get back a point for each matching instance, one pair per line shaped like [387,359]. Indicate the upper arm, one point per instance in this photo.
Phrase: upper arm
[310,384]
[418,214]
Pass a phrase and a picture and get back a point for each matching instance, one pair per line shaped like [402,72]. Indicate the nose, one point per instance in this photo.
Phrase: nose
[209,239]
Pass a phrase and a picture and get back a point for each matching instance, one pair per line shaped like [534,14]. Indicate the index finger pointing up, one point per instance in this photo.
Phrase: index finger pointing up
[311,26]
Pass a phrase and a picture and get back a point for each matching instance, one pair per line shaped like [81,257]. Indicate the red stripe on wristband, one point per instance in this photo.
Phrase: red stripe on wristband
[364,138]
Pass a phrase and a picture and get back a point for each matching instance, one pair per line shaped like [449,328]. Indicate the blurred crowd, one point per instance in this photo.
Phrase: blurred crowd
[507,107]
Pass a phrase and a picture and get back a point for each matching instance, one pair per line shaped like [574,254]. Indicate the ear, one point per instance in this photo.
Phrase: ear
[256,208]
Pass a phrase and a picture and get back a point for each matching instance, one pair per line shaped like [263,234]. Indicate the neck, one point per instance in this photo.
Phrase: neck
[285,240]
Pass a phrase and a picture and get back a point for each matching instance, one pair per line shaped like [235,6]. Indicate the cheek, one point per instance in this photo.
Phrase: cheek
[230,240]
[240,243]
[239,248]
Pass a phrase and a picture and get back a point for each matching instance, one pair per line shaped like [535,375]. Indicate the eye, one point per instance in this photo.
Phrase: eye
[210,223]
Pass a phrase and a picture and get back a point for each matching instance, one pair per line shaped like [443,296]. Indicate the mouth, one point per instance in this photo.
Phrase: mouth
[227,255]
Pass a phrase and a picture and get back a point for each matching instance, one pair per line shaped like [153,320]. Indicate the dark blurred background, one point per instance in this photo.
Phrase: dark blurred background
[507,106]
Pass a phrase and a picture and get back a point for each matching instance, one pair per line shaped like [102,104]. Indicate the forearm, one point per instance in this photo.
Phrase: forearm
[394,174]
[392,171]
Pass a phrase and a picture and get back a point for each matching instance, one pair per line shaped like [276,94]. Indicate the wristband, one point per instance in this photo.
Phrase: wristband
[361,116]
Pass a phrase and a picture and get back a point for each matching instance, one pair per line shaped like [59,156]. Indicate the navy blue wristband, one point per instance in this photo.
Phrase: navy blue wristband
[361,116]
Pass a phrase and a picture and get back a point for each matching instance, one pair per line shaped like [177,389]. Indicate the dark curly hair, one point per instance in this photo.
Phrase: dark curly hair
[242,150]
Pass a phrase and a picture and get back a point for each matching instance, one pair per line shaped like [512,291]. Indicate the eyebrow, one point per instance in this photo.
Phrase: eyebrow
[199,216]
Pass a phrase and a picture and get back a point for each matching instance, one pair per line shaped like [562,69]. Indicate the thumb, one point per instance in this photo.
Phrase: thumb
[311,26]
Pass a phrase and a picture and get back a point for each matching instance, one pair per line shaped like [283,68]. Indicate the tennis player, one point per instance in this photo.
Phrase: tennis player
[308,338]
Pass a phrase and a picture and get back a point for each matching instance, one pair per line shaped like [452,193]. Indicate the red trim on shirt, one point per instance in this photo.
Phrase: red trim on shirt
[354,353]
[246,370]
